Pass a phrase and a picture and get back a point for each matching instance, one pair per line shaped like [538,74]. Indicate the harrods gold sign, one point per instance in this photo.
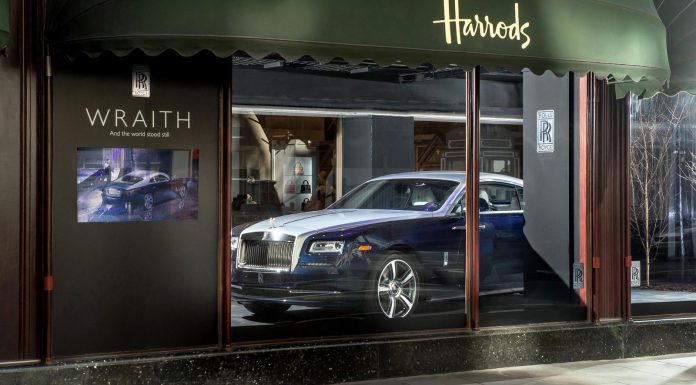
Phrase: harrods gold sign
[482,26]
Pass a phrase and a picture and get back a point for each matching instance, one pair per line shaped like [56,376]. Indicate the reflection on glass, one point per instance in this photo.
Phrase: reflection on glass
[663,172]
[530,266]
[503,249]
[282,165]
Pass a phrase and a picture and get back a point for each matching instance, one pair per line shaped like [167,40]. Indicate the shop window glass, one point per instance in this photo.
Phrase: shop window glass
[345,192]
[663,175]
[282,165]
[529,258]
[348,190]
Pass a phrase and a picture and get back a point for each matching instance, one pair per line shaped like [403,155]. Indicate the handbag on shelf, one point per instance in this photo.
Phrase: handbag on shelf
[305,187]
[304,203]
[290,187]
[299,170]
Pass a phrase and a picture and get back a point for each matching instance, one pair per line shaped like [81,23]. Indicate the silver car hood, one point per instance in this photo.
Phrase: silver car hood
[329,220]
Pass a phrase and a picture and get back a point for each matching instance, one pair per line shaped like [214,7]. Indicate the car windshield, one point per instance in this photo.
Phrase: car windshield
[399,194]
[130,179]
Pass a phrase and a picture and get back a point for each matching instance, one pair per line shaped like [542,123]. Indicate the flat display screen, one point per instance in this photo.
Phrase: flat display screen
[136,184]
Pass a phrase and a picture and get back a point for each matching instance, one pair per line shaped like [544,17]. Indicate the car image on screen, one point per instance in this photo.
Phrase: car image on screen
[389,245]
[143,188]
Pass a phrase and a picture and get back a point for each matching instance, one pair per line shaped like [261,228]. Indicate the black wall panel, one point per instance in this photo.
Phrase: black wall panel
[548,183]
[137,285]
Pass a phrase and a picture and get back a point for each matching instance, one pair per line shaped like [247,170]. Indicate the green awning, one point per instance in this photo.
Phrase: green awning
[679,17]
[4,23]
[620,39]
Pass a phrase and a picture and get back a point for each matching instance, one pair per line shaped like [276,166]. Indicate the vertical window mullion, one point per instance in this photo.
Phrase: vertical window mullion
[472,185]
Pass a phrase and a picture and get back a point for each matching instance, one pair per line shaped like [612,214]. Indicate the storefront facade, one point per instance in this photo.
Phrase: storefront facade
[248,182]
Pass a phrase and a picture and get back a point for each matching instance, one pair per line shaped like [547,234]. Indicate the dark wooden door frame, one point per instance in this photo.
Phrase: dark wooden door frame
[29,58]
[610,203]
[473,131]
[225,203]
[46,193]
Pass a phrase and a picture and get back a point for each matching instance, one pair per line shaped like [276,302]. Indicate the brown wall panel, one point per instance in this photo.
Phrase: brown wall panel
[610,203]
[18,133]
[9,206]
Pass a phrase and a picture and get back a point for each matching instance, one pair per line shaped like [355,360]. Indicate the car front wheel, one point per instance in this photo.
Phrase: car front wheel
[148,202]
[181,191]
[397,286]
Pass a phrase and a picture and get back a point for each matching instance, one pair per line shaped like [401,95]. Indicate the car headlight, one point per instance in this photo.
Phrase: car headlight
[113,192]
[234,243]
[326,247]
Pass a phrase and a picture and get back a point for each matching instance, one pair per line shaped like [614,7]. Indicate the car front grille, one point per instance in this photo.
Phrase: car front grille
[265,254]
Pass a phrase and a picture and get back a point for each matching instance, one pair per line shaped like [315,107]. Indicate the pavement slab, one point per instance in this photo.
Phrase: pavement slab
[658,370]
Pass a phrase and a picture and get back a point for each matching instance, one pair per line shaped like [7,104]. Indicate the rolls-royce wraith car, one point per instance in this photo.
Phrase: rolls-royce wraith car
[389,244]
[145,188]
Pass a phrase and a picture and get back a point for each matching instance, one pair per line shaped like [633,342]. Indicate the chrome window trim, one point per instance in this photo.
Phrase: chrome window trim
[255,269]
[333,113]
[501,212]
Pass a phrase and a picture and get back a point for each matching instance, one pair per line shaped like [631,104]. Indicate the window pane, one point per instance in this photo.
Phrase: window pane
[345,187]
[282,165]
[663,172]
[499,197]
[530,266]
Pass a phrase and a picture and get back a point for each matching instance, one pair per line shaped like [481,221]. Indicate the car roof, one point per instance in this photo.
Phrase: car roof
[145,173]
[456,176]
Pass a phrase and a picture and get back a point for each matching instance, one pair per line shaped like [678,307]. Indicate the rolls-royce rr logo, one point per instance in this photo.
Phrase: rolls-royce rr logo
[141,81]
[545,131]
[259,278]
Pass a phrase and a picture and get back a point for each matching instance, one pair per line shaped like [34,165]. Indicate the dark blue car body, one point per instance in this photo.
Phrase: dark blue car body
[432,243]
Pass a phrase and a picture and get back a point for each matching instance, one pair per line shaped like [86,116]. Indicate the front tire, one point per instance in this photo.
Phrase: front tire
[397,286]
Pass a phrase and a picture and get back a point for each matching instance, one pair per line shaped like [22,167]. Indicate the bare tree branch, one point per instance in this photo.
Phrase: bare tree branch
[653,164]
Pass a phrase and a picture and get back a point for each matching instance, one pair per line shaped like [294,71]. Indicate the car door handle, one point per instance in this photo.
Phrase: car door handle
[481,227]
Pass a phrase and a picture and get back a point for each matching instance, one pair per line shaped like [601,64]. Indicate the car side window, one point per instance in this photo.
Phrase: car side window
[520,196]
[458,208]
[498,197]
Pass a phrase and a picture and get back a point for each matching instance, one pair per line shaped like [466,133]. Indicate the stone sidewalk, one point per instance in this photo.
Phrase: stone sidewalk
[661,370]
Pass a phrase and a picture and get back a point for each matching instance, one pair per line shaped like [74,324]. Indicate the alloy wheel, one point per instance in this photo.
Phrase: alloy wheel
[148,202]
[181,191]
[397,289]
